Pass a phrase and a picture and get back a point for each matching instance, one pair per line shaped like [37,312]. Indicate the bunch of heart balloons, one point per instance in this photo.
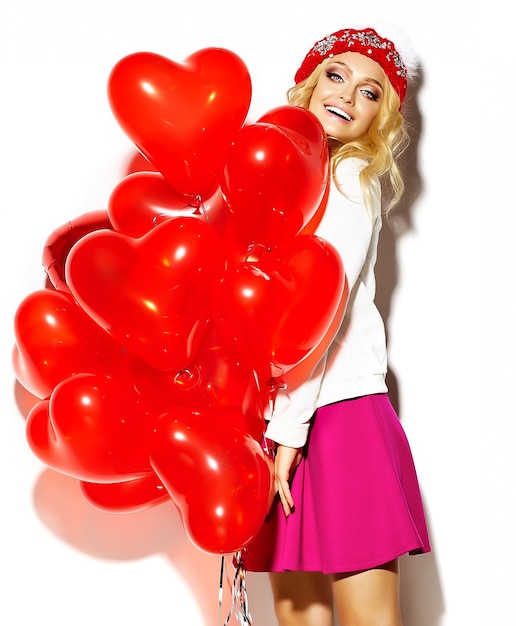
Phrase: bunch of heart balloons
[172,316]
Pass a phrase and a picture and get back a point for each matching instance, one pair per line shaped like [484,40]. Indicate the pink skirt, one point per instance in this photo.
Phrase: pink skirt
[356,494]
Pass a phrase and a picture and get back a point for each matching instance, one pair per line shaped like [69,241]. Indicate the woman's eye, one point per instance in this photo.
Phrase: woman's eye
[334,76]
[370,94]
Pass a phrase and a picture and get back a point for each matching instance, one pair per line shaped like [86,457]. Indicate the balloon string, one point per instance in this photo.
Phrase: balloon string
[239,604]
[221,588]
[273,392]
[275,384]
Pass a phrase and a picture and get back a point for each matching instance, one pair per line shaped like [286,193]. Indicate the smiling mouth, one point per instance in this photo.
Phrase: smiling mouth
[339,113]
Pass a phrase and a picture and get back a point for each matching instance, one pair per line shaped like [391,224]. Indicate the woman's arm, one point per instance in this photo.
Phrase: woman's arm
[348,224]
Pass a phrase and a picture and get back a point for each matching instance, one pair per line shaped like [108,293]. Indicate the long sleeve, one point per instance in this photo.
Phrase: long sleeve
[352,226]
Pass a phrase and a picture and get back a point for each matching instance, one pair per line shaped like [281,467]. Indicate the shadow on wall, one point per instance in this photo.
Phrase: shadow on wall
[158,530]
[62,508]
[421,593]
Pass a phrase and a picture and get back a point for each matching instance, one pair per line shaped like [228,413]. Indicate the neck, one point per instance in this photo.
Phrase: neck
[333,145]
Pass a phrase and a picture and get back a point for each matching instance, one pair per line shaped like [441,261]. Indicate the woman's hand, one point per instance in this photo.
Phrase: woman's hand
[286,461]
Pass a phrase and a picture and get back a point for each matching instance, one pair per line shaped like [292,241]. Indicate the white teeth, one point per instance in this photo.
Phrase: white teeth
[340,113]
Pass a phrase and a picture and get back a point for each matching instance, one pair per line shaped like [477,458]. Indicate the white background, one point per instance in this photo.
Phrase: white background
[447,290]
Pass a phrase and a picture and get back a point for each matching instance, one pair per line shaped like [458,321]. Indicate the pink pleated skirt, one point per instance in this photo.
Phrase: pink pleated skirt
[356,493]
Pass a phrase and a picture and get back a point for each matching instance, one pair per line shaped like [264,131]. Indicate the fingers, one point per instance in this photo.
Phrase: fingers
[287,502]
[287,459]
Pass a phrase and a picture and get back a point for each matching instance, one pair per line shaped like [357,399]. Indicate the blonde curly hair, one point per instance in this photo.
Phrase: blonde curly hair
[380,147]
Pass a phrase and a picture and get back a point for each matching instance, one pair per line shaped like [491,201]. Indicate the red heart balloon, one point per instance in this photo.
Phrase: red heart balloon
[277,310]
[144,199]
[182,116]
[218,476]
[151,294]
[276,174]
[56,339]
[93,428]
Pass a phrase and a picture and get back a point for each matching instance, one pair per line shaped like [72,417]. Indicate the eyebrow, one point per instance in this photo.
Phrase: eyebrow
[367,79]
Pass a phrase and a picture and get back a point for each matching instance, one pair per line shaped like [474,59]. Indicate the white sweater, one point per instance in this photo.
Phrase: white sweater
[356,362]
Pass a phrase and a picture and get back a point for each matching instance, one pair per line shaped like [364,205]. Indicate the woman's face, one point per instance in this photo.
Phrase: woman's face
[348,96]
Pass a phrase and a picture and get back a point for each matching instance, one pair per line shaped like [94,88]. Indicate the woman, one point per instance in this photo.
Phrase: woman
[349,502]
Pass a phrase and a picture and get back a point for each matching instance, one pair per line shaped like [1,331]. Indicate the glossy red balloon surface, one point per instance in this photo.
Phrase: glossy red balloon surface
[55,339]
[276,174]
[151,294]
[218,476]
[92,428]
[277,310]
[142,200]
[182,116]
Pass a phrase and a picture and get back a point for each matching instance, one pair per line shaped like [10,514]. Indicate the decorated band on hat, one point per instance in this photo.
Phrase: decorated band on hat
[367,42]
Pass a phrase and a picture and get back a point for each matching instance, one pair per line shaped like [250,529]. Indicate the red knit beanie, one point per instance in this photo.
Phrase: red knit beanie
[366,42]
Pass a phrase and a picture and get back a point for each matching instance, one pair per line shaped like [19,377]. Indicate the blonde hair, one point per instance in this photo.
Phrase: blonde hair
[380,147]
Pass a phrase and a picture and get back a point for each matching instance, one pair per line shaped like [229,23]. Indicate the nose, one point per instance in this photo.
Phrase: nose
[347,95]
